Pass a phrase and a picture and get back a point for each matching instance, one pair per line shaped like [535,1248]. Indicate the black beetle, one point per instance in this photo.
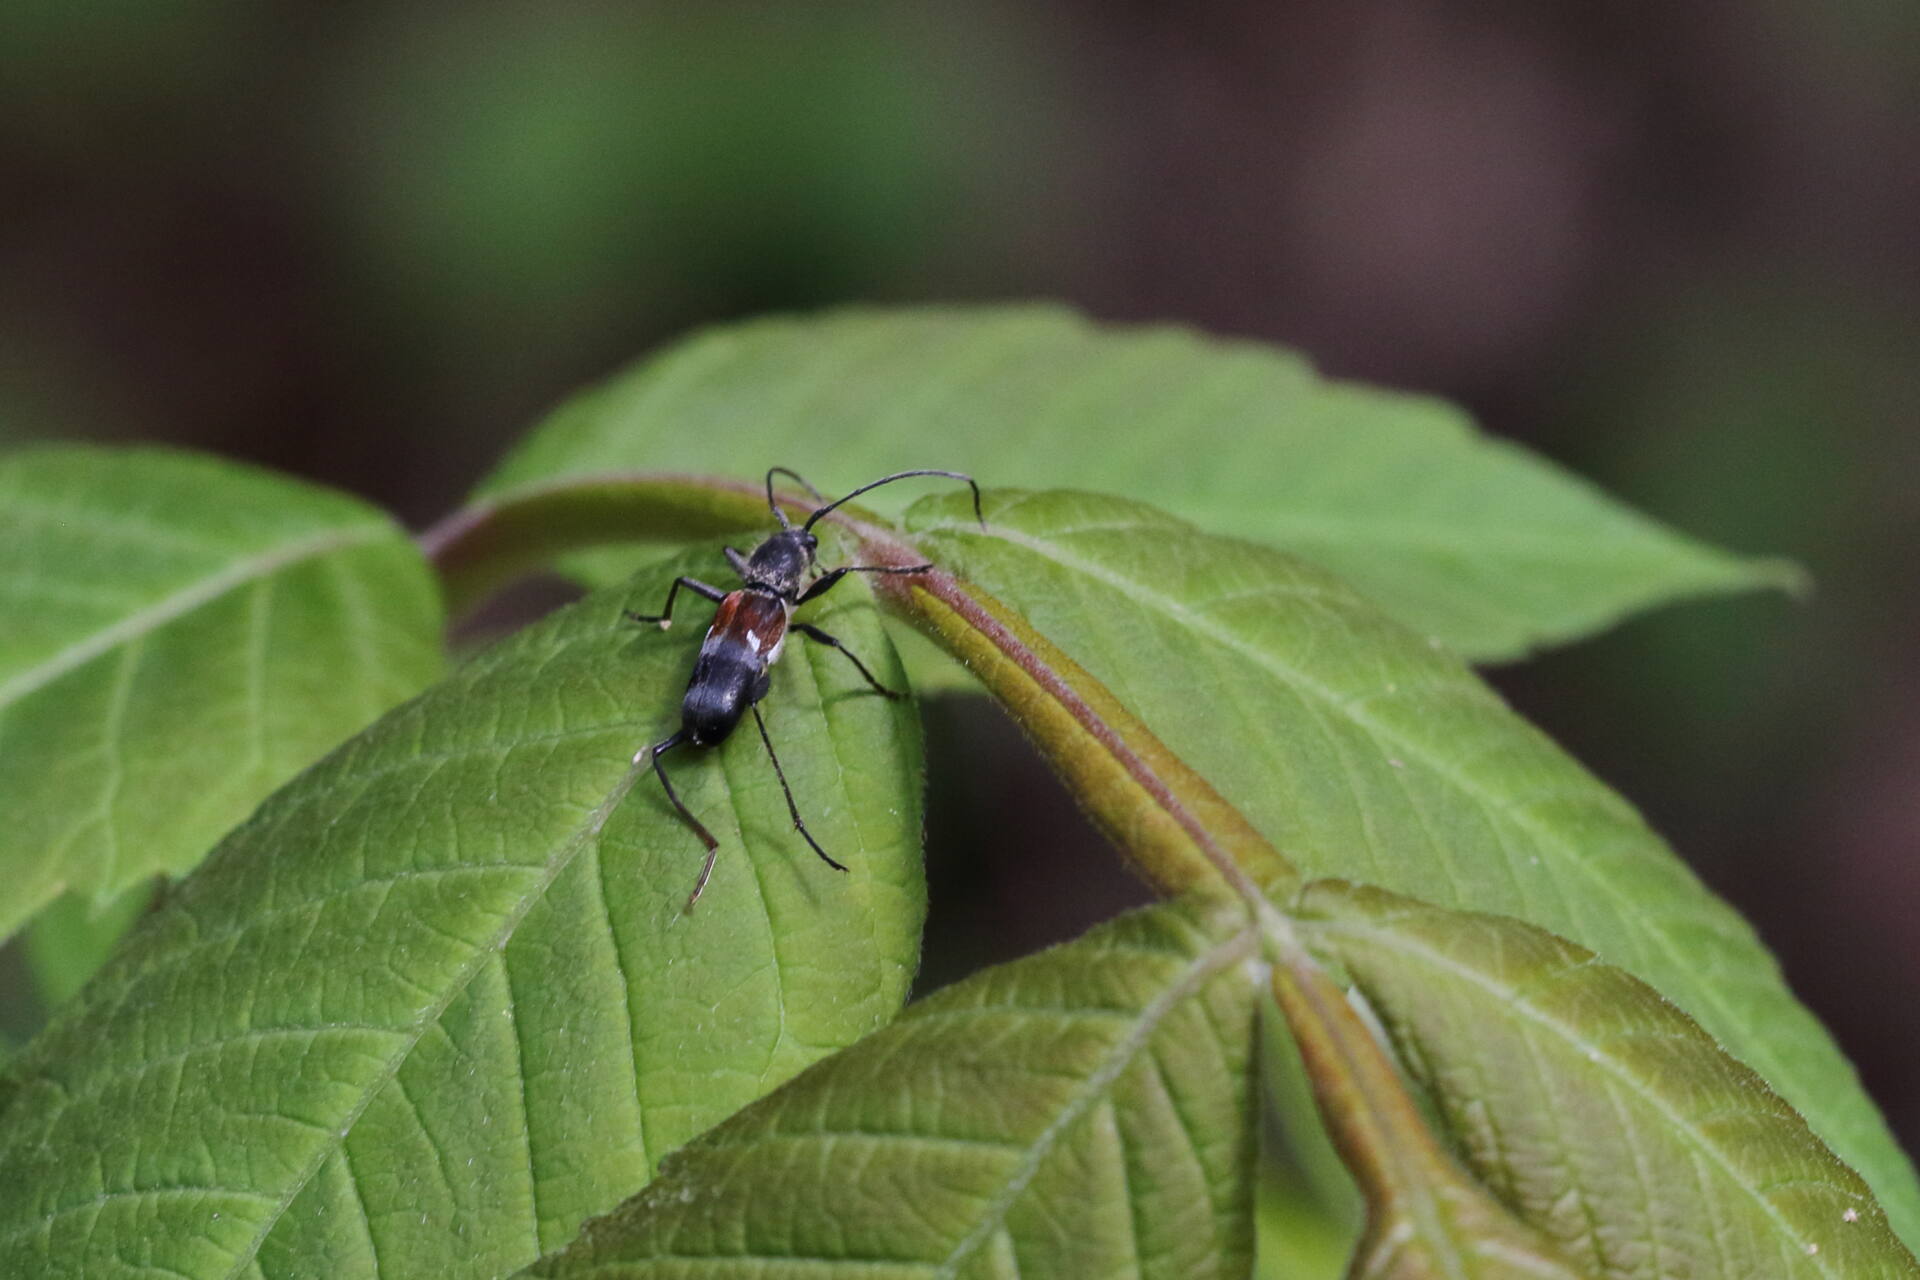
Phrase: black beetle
[746,637]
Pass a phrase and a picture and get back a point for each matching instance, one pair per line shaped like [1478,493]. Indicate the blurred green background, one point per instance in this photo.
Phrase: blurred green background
[1671,245]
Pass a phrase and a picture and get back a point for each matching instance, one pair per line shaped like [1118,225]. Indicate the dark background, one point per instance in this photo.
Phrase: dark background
[1672,245]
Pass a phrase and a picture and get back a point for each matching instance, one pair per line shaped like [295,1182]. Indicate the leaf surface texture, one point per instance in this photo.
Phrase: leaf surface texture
[1086,1111]
[182,636]
[1599,1111]
[436,1002]
[1362,751]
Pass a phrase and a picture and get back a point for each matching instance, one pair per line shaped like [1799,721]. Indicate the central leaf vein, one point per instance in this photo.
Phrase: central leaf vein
[410,1035]
[1094,1089]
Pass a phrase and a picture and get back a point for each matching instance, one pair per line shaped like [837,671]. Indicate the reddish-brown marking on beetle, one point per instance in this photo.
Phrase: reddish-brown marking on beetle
[750,618]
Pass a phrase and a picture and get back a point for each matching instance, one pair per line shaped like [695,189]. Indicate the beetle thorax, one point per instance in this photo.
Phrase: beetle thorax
[780,563]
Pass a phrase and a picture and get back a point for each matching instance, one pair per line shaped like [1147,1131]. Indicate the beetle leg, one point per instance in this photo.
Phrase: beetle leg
[787,791]
[654,753]
[822,584]
[665,616]
[814,633]
[736,559]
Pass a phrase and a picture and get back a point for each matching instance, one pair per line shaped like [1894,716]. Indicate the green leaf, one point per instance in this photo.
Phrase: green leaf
[1459,535]
[1427,1219]
[1313,1189]
[1086,1111]
[1297,1238]
[68,942]
[182,636]
[1606,1117]
[1364,752]
[437,1002]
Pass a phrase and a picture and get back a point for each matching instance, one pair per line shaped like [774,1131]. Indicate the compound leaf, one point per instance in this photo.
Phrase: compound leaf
[1361,751]
[1459,535]
[437,1002]
[182,635]
[1086,1111]
[1602,1114]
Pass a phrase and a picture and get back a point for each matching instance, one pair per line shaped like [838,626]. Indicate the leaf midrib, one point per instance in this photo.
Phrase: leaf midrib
[176,605]
[411,1034]
[1195,975]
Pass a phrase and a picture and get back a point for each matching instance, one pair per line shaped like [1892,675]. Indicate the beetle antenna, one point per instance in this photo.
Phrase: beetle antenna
[902,475]
[773,506]
[798,479]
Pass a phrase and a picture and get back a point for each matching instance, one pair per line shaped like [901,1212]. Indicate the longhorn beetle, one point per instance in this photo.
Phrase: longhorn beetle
[748,632]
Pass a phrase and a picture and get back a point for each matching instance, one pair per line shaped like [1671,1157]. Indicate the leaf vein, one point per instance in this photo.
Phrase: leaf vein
[179,603]
[1092,1090]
